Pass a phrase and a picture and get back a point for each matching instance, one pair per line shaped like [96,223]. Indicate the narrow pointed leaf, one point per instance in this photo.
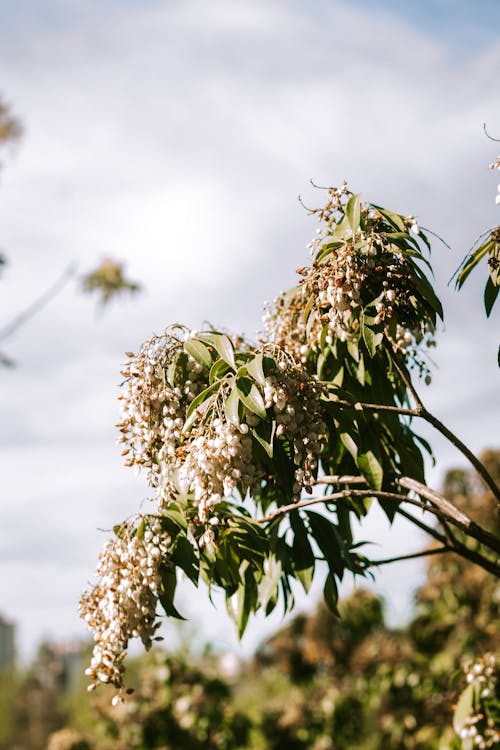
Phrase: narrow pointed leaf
[353,212]
[251,397]
[222,345]
[198,352]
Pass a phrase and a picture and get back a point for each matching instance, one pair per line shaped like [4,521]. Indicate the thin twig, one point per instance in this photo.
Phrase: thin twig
[497,140]
[38,304]
[342,495]
[476,463]
[452,514]
[340,479]
[438,507]
[440,427]
[437,236]
[458,548]
[413,556]
[362,406]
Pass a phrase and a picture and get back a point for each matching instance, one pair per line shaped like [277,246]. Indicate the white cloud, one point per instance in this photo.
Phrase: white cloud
[176,137]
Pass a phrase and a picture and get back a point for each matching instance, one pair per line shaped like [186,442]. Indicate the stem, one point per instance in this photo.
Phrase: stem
[452,514]
[441,507]
[413,556]
[476,463]
[38,304]
[342,495]
[457,547]
[440,427]
[340,479]
[361,406]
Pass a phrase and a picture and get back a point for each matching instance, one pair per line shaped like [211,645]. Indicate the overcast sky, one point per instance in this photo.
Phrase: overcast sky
[176,136]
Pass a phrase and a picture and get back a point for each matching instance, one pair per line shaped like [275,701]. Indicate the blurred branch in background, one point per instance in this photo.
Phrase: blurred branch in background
[107,280]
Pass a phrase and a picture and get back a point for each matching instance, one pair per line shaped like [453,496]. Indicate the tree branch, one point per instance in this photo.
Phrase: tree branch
[38,304]
[343,495]
[413,556]
[457,547]
[421,411]
[439,507]
[452,514]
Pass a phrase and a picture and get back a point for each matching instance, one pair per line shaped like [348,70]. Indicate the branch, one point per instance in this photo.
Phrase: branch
[340,479]
[476,463]
[497,140]
[38,304]
[438,425]
[452,514]
[361,406]
[440,507]
[342,495]
[413,556]
[457,547]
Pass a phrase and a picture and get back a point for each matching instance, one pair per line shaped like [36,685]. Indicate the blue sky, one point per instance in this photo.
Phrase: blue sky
[176,137]
[464,25]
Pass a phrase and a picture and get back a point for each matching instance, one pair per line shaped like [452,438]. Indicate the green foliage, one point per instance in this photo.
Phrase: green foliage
[108,280]
[239,440]
[322,681]
[490,248]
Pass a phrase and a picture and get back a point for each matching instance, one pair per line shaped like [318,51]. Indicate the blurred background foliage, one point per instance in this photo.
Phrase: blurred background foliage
[320,682]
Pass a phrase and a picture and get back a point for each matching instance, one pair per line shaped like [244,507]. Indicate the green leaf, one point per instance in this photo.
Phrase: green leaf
[349,443]
[269,584]
[185,556]
[174,520]
[231,407]
[308,308]
[200,405]
[372,340]
[302,554]
[255,369]
[371,469]
[463,709]
[331,594]
[326,250]
[198,352]
[324,533]
[241,604]
[490,295]
[141,529]
[425,288]
[265,442]
[167,592]
[394,219]
[222,345]
[342,230]
[353,349]
[171,369]
[251,397]
[353,212]
[472,260]
[218,371]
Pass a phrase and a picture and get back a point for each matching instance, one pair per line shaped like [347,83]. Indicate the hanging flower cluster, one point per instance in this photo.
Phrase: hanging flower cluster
[363,275]
[123,603]
[160,383]
[295,399]
[203,418]
[218,461]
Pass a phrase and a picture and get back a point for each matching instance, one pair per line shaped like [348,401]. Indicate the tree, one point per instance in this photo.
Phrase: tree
[260,456]
[324,682]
